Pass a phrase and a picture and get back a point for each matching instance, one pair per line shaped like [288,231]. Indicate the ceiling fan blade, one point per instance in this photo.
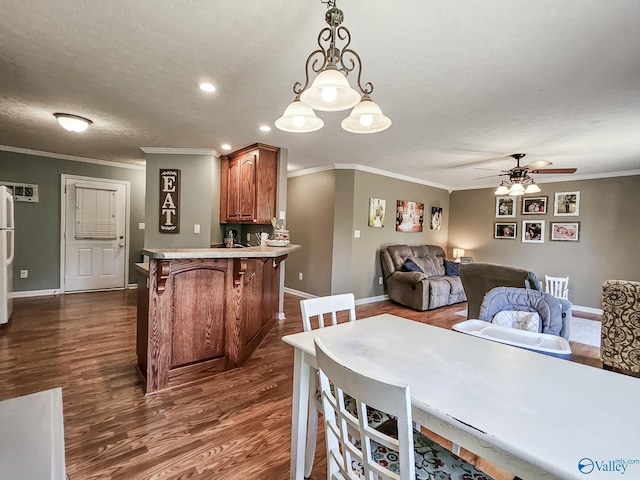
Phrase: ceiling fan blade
[489,176]
[537,165]
[555,170]
[490,169]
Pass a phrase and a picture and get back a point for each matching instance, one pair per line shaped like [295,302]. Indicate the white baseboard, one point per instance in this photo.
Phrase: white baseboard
[298,293]
[35,293]
[579,308]
[379,298]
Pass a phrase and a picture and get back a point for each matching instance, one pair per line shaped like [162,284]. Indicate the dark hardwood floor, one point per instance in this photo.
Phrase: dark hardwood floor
[233,426]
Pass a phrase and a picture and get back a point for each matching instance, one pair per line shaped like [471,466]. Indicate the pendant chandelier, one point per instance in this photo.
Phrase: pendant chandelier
[517,186]
[330,90]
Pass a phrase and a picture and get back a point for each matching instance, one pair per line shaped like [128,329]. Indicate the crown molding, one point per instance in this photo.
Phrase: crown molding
[180,151]
[364,168]
[60,156]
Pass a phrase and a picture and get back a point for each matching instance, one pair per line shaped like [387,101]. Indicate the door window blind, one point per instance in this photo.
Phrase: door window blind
[95,213]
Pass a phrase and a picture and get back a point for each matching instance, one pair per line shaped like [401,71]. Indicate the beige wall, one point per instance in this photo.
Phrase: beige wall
[310,211]
[607,246]
[341,263]
[196,174]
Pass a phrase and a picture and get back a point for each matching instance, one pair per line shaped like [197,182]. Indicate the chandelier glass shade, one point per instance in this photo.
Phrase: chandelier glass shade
[330,91]
[300,118]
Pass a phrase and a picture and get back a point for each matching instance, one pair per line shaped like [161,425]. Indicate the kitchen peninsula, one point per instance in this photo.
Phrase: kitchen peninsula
[202,311]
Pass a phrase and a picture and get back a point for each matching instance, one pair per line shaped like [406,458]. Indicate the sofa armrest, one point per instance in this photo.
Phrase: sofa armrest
[410,278]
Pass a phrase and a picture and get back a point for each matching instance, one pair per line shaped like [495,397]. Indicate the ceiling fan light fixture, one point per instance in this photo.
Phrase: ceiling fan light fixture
[72,123]
[330,91]
[532,188]
[516,190]
[502,189]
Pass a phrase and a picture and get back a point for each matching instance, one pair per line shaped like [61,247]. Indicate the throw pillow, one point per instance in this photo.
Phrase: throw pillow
[411,266]
[451,268]
[529,321]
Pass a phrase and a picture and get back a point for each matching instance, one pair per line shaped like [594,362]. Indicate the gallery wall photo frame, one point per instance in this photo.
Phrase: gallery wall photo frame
[507,230]
[377,209]
[436,218]
[534,205]
[409,216]
[564,231]
[533,231]
[505,207]
[566,204]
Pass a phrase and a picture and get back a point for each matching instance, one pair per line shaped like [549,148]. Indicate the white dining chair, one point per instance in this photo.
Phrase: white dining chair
[393,451]
[557,286]
[317,313]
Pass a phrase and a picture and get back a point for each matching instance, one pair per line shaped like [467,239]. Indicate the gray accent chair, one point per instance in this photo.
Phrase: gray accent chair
[424,290]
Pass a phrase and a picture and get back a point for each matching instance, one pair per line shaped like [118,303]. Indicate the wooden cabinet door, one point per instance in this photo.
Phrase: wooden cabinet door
[247,187]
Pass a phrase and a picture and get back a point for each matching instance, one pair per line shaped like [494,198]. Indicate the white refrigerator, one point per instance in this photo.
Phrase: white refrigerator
[6,254]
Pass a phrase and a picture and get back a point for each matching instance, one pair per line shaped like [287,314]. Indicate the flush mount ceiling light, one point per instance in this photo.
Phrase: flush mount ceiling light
[207,87]
[73,123]
[330,90]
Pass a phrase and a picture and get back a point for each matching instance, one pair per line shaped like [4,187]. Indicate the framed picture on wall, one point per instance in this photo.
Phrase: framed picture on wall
[436,218]
[505,230]
[377,207]
[534,205]
[409,216]
[567,204]
[533,231]
[505,207]
[565,231]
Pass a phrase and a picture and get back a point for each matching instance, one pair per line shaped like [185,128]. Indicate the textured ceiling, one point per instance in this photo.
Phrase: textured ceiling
[466,83]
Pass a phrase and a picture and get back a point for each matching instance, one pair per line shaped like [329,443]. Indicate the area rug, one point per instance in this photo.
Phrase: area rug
[581,331]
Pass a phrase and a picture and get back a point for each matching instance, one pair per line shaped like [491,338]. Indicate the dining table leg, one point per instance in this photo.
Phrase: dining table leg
[299,415]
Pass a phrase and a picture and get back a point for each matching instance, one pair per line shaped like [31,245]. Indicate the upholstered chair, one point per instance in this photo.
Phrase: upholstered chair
[620,346]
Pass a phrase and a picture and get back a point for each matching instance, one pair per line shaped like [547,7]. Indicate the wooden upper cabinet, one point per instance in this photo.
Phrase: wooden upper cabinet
[248,180]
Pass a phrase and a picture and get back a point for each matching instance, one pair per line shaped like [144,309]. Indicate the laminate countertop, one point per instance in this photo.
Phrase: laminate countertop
[245,252]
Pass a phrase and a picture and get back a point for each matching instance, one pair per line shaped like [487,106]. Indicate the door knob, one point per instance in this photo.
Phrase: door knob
[121,244]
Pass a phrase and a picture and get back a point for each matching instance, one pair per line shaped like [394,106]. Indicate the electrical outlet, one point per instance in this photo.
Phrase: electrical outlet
[141,226]
[24,273]
[379,280]
[300,276]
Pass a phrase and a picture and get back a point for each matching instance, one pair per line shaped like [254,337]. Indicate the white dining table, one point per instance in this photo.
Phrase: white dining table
[534,415]
[32,437]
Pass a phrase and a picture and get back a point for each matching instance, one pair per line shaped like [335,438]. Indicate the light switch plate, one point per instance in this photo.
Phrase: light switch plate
[196,228]
[141,226]
[357,234]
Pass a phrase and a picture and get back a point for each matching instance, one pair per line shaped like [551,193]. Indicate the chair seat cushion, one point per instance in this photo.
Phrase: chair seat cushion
[522,320]
[432,460]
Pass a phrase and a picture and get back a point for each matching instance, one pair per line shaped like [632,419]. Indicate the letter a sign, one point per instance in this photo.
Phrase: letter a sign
[169,200]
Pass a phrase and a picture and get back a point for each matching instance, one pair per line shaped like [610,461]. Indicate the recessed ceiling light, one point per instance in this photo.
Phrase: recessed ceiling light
[73,123]
[265,128]
[207,87]
[225,146]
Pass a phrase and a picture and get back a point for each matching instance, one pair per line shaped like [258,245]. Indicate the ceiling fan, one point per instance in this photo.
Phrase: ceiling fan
[519,180]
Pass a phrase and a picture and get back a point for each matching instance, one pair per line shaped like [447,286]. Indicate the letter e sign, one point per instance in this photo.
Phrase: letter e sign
[169,200]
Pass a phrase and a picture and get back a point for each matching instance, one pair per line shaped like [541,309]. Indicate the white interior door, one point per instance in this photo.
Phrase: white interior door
[95,234]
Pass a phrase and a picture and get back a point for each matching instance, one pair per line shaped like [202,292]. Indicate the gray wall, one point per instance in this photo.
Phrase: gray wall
[196,200]
[324,211]
[38,224]
[607,247]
